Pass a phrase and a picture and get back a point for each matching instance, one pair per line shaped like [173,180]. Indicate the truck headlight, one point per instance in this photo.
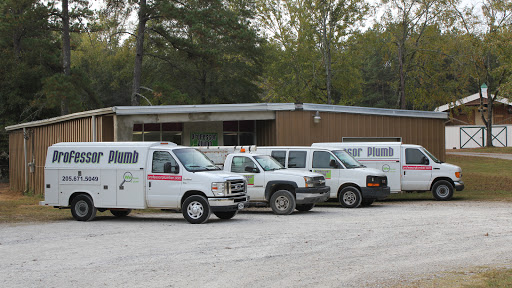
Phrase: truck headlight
[219,188]
[372,181]
[458,174]
[309,181]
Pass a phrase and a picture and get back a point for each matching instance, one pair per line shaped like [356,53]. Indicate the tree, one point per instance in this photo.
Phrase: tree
[491,51]
[407,20]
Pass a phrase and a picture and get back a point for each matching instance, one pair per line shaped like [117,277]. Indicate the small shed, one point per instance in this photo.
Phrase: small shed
[466,129]
[262,124]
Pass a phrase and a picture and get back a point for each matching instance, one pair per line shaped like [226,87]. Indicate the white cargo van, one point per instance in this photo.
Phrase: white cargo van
[351,183]
[121,176]
[408,167]
[268,182]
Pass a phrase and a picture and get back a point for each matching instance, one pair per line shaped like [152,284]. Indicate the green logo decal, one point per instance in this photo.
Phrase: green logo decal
[326,173]
[250,179]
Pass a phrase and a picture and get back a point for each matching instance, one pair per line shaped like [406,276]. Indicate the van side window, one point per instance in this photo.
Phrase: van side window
[414,156]
[159,159]
[280,156]
[239,163]
[323,159]
[297,159]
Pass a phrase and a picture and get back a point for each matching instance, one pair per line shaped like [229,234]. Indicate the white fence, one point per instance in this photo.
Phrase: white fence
[472,136]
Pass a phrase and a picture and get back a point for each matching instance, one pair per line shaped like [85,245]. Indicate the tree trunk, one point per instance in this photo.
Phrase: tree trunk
[488,123]
[139,51]
[401,91]
[66,51]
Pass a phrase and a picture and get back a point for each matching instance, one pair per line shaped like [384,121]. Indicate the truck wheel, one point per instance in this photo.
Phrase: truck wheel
[350,197]
[282,202]
[367,202]
[226,214]
[121,213]
[82,208]
[442,190]
[305,207]
[196,209]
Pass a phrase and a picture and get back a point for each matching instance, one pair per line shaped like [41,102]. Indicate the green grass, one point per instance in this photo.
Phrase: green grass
[500,150]
[480,277]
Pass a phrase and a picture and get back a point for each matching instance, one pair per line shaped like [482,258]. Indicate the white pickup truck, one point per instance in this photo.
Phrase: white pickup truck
[121,176]
[269,183]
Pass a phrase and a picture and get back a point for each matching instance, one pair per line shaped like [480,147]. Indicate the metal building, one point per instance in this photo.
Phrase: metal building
[263,124]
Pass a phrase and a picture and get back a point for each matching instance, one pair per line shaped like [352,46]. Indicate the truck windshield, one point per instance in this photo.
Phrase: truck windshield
[347,160]
[194,160]
[431,156]
[268,163]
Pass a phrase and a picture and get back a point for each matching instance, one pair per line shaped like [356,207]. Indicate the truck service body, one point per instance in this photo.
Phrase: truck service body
[351,183]
[268,182]
[408,167]
[120,176]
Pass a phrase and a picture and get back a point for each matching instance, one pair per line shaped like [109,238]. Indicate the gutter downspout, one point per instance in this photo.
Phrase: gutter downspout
[93,124]
[25,157]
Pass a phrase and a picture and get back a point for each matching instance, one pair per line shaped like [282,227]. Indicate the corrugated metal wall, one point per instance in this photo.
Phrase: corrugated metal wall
[296,128]
[39,139]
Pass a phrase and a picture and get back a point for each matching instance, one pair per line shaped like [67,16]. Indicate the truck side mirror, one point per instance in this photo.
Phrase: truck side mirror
[424,160]
[252,169]
[333,163]
[169,168]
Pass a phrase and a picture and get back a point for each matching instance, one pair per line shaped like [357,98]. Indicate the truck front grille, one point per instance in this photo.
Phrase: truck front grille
[319,181]
[236,186]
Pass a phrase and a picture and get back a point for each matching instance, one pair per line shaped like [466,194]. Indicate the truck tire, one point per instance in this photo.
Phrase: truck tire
[82,208]
[305,207]
[196,209]
[350,197]
[225,214]
[442,190]
[282,202]
[121,213]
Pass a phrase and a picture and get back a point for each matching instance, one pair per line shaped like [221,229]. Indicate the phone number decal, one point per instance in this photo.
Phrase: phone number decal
[80,178]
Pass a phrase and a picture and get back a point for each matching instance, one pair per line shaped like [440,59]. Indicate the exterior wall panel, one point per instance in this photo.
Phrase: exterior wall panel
[296,128]
[39,139]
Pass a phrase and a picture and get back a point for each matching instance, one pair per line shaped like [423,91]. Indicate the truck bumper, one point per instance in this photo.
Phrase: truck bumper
[375,192]
[228,203]
[459,185]
[312,195]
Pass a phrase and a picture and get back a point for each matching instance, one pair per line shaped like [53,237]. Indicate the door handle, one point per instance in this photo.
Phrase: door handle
[149,184]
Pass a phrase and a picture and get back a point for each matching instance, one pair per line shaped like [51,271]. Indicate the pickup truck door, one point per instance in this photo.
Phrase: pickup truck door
[255,176]
[325,163]
[416,170]
[164,187]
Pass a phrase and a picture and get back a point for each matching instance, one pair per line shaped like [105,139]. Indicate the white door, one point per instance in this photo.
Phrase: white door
[164,180]
[255,176]
[416,170]
[326,164]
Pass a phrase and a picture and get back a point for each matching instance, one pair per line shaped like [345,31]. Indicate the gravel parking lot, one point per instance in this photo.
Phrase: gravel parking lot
[378,246]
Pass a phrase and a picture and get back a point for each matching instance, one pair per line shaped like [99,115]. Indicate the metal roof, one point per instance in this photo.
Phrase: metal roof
[58,119]
[223,108]
[374,111]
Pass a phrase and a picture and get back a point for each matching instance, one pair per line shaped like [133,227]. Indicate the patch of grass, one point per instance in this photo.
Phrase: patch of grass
[499,150]
[480,277]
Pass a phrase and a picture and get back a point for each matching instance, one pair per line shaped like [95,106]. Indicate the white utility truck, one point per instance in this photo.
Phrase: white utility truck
[351,183]
[121,176]
[268,182]
[408,167]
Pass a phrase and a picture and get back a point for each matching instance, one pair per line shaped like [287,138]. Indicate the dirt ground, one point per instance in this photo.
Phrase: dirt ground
[385,245]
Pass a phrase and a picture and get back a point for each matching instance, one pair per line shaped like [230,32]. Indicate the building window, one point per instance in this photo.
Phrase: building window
[238,133]
[164,132]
